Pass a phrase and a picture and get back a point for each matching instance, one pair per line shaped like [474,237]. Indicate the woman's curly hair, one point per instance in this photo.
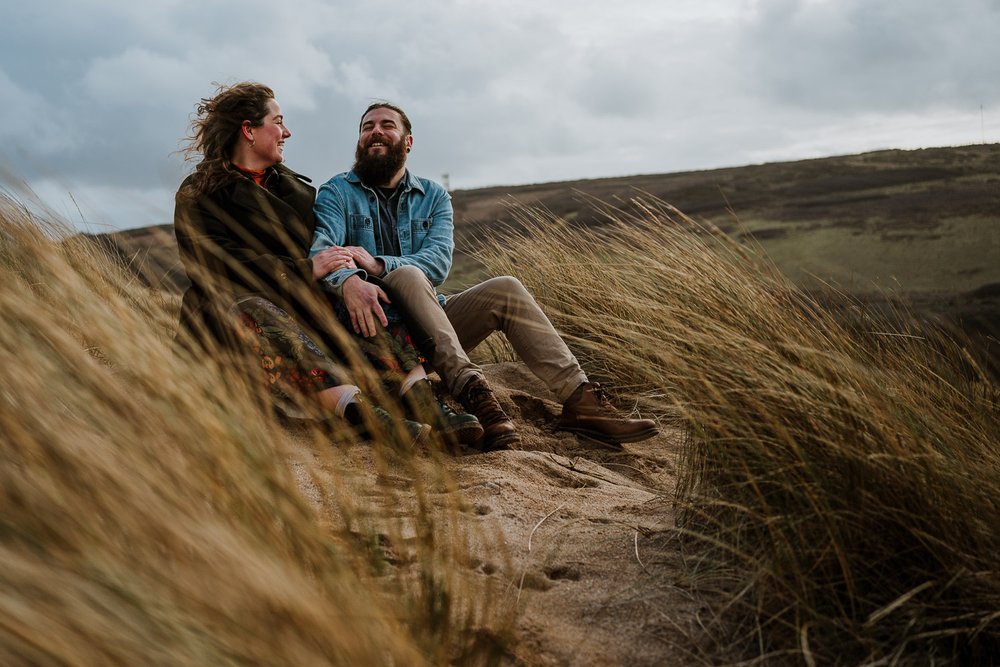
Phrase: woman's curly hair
[215,130]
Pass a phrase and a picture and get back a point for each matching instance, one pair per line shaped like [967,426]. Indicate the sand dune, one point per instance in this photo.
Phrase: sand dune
[580,527]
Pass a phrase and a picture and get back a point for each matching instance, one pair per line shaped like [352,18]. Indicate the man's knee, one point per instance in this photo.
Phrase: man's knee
[507,287]
[408,280]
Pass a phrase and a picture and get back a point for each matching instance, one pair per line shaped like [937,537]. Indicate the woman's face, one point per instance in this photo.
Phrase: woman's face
[269,138]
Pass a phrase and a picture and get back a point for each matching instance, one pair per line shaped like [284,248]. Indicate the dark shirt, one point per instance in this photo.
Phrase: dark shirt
[388,205]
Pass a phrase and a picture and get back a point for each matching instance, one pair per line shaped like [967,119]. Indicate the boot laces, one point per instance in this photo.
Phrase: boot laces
[601,396]
[481,401]
[478,394]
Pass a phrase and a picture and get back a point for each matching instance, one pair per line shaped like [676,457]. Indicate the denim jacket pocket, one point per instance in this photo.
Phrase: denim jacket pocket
[421,227]
[360,230]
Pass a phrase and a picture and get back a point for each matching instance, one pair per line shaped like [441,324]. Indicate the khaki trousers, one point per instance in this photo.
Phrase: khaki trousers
[498,304]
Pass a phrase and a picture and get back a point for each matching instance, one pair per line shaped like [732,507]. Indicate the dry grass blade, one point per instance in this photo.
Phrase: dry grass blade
[540,522]
[842,471]
[148,508]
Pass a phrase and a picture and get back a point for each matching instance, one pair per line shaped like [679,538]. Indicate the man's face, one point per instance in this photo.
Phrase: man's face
[382,127]
[382,146]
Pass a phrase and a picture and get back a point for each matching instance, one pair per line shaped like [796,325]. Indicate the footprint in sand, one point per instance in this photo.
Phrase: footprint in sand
[557,572]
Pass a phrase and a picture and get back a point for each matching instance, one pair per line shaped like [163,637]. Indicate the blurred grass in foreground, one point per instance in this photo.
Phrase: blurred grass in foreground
[149,513]
[839,499]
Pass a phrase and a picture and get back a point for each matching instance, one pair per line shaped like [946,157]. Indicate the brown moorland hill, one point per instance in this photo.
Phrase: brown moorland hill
[921,225]
[920,220]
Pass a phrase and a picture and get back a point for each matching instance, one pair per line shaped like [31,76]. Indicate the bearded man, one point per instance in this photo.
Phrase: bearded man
[399,228]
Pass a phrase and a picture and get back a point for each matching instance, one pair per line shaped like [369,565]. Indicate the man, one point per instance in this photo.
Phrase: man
[398,227]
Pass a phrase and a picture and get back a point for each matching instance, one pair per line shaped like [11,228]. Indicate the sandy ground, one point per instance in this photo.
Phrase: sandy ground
[582,551]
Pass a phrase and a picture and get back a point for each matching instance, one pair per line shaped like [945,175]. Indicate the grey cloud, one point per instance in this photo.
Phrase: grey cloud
[663,70]
[98,95]
[856,55]
[121,80]
[27,113]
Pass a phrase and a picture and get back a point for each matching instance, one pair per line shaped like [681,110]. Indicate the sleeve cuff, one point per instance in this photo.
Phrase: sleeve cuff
[390,263]
[337,278]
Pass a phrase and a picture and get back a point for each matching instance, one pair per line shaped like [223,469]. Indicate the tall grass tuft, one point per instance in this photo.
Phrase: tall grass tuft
[149,513]
[839,493]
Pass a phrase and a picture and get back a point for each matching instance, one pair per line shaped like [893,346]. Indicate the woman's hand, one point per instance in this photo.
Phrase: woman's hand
[331,259]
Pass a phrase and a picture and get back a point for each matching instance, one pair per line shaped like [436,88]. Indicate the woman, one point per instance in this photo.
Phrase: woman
[244,224]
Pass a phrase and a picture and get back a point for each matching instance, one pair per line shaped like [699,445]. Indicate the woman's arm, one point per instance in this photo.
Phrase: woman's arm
[214,246]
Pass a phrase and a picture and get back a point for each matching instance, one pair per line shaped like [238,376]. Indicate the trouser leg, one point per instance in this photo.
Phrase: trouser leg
[503,304]
[409,286]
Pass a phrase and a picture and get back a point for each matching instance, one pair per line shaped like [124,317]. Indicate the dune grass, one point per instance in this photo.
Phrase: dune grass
[151,507]
[838,498]
[839,491]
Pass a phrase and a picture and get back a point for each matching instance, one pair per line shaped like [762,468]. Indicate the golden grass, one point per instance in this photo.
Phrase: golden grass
[148,508]
[839,499]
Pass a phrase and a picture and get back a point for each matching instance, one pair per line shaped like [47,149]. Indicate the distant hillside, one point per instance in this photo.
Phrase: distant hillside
[921,220]
[150,252]
[924,223]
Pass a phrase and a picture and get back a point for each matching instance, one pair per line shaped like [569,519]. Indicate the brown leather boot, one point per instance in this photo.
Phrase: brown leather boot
[478,399]
[589,413]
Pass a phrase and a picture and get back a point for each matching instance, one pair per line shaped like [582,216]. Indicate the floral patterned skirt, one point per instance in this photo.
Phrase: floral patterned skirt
[293,363]
[392,351]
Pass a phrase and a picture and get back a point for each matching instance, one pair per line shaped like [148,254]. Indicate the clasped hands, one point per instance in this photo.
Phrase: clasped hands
[361,298]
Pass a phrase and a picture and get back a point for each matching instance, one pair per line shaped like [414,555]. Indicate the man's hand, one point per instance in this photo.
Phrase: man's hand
[362,301]
[331,259]
[363,258]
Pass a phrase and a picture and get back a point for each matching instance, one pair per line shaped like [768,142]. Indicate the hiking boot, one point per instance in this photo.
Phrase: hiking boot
[498,429]
[423,404]
[589,413]
[373,423]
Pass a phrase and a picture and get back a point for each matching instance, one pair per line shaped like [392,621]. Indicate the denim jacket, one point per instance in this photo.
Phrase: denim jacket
[347,214]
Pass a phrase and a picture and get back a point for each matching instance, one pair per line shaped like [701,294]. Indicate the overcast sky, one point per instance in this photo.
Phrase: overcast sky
[96,96]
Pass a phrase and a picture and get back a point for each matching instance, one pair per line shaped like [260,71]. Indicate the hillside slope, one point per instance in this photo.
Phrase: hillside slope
[925,220]
[861,220]
[924,224]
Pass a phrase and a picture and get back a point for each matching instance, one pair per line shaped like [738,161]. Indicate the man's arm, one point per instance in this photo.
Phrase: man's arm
[363,300]
[364,259]
[331,231]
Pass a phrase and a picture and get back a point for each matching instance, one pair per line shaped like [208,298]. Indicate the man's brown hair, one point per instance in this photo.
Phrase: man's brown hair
[387,105]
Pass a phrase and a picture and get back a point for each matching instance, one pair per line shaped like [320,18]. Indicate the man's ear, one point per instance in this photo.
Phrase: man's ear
[409,142]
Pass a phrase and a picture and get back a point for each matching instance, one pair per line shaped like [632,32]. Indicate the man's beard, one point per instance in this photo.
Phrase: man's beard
[378,169]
